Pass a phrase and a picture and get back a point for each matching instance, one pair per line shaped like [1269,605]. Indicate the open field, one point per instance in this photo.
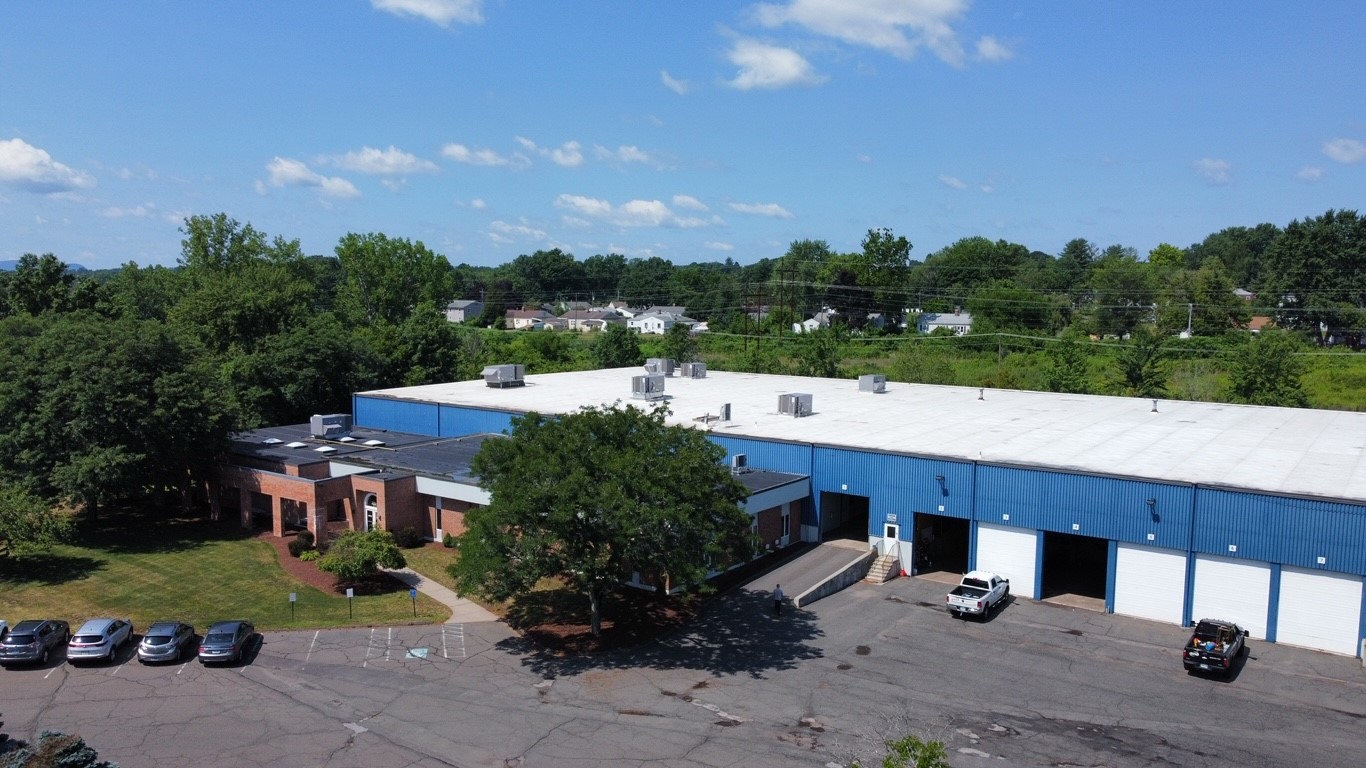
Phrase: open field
[147,568]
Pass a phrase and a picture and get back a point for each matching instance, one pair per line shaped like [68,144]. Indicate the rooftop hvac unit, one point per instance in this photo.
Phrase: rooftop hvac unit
[725,412]
[795,404]
[647,387]
[509,375]
[694,370]
[661,365]
[872,382]
[330,426]
[739,463]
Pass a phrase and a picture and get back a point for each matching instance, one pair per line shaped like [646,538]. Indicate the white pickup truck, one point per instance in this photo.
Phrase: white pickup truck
[978,593]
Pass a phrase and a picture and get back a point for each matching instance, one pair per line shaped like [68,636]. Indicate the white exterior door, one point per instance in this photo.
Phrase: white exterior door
[1012,553]
[1319,610]
[1234,590]
[1150,583]
[890,539]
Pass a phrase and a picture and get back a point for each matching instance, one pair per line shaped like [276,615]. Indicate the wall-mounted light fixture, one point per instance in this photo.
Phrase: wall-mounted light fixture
[943,489]
[1152,510]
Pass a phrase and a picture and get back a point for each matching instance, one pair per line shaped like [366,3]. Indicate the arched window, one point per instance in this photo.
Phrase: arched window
[371,504]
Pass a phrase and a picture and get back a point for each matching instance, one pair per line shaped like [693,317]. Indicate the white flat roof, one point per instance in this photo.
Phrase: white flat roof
[1280,450]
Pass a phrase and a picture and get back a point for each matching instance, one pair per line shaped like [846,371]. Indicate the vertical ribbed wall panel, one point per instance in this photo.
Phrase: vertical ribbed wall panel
[1281,529]
[395,415]
[458,420]
[767,454]
[895,484]
[1087,505]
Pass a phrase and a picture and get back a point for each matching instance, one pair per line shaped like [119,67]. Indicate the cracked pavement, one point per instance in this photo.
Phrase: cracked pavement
[1036,685]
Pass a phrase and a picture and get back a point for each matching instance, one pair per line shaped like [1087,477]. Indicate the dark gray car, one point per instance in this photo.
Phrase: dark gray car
[33,640]
[165,641]
[226,642]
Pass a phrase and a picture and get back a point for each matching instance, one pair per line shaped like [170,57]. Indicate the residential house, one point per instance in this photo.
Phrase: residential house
[462,310]
[959,322]
[656,321]
[526,319]
[1244,294]
[816,322]
[595,319]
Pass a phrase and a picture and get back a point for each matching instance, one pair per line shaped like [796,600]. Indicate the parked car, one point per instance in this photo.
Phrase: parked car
[99,640]
[33,640]
[165,641]
[4,628]
[1214,646]
[977,594]
[226,641]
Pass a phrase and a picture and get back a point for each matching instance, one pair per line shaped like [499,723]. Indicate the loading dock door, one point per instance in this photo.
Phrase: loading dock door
[1319,610]
[1012,553]
[1150,583]
[1234,590]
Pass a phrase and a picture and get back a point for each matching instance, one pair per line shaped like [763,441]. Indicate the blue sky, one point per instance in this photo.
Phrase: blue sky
[693,131]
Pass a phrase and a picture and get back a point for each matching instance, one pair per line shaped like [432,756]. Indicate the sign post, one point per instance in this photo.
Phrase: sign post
[350,593]
[413,594]
[293,598]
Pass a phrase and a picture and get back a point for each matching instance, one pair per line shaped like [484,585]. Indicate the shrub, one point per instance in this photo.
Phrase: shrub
[306,536]
[310,555]
[448,541]
[358,555]
[408,538]
[298,546]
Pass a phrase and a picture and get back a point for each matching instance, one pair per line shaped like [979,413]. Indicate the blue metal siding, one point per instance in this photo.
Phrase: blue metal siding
[395,415]
[457,421]
[1104,507]
[1281,529]
[895,484]
[768,454]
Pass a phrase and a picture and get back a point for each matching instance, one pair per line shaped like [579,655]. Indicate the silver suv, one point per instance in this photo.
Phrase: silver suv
[33,640]
[99,640]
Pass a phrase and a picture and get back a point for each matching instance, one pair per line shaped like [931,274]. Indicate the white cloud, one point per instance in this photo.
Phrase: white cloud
[383,162]
[1214,170]
[568,154]
[862,158]
[717,245]
[768,66]
[34,170]
[991,49]
[898,27]
[486,157]
[689,202]
[1310,173]
[287,172]
[633,213]
[478,204]
[136,212]
[622,154]
[440,12]
[503,232]
[762,209]
[679,87]
[1348,151]
[953,181]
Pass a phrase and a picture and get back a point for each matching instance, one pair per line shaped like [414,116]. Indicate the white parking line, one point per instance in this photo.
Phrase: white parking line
[368,644]
[50,671]
[388,641]
[182,667]
[312,644]
[444,654]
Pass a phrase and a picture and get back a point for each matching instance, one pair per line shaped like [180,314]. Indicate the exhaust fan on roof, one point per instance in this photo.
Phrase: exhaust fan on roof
[330,426]
[694,370]
[872,382]
[501,376]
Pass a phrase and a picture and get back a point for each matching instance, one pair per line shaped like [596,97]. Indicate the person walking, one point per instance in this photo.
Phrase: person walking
[777,599]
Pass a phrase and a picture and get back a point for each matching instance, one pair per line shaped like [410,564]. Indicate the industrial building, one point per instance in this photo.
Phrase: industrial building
[1166,510]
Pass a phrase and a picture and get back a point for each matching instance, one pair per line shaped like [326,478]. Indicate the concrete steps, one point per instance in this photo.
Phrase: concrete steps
[884,569]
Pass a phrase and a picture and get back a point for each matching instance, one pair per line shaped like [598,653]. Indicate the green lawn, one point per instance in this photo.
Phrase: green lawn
[149,569]
[431,562]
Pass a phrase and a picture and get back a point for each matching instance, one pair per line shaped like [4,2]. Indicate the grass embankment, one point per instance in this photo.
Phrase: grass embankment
[147,568]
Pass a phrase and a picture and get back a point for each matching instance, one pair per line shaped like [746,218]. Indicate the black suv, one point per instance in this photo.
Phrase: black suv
[33,640]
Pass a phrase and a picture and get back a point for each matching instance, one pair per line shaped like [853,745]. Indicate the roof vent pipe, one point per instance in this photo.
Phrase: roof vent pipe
[1154,410]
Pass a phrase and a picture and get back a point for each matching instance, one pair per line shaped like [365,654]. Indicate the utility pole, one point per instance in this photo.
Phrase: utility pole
[1190,313]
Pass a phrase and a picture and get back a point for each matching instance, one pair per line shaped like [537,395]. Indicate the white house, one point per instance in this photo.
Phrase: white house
[460,310]
[821,319]
[960,322]
[658,322]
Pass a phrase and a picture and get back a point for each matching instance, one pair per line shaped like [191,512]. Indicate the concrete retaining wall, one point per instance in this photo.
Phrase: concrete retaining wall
[850,574]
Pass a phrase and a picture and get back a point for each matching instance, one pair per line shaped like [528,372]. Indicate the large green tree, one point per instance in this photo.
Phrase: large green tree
[1140,364]
[29,523]
[592,495]
[1316,272]
[386,278]
[1266,370]
[617,347]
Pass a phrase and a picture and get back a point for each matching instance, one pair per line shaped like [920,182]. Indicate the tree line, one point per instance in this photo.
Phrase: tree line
[126,384]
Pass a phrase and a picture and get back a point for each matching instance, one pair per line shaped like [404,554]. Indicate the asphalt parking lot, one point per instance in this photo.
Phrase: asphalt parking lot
[1037,685]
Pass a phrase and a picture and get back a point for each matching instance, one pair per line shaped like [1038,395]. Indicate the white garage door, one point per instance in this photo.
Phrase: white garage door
[1235,590]
[1150,583]
[1319,610]
[1011,552]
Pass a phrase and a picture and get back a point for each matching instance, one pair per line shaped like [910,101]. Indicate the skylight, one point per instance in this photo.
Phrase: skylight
[295,444]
